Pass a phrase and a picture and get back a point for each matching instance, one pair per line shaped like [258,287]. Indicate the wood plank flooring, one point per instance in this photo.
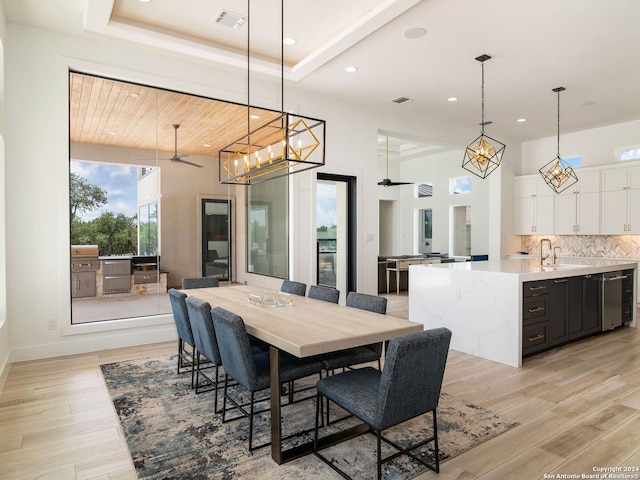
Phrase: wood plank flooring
[578,407]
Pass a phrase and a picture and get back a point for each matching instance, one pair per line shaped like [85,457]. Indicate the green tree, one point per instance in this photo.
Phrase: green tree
[84,197]
[115,234]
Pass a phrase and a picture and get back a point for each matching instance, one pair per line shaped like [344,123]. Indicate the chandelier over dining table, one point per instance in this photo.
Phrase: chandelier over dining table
[288,144]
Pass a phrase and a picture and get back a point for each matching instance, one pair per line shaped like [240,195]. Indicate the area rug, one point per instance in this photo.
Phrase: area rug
[172,433]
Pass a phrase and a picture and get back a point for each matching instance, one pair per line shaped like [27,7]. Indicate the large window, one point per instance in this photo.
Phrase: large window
[267,214]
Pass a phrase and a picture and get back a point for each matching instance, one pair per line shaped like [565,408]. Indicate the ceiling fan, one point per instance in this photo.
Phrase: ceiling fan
[386,182]
[180,158]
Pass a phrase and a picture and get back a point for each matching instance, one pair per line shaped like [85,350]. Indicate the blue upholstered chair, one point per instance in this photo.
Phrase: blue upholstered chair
[199,282]
[295,288]
[326,294]
[186,356]
[204,336]
[408,386]
[251,371]
[357,355]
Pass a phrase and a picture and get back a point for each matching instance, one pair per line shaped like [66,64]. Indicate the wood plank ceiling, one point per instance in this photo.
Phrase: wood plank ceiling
[111,112]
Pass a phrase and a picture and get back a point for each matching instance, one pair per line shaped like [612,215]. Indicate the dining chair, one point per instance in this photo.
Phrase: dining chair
[408,386]
[199,282]
[250,370]
[186,356]
[204,335]
[326,294]
[295,288]
[357,355]
[350,357]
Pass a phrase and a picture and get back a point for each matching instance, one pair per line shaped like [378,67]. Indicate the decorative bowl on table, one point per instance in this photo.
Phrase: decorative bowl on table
[270,298]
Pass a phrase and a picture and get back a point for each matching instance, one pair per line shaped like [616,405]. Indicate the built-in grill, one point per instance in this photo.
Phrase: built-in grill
[84,265]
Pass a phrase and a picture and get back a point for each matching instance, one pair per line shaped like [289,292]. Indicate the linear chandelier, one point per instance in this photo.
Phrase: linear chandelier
[484,154]
[558,174]
[288,144]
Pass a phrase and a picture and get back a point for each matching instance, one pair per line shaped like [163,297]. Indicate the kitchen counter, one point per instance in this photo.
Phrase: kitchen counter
[481,302]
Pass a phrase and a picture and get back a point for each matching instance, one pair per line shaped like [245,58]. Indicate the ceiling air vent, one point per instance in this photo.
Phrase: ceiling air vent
[401,100]
[230,19]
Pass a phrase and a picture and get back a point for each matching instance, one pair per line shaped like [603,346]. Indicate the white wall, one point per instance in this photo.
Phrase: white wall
[596,146]
[4,325]
[37,64]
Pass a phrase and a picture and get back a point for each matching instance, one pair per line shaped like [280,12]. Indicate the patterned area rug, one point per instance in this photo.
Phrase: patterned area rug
[172,433]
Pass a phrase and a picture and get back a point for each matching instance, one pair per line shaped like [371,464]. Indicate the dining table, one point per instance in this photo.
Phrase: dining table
[304,327]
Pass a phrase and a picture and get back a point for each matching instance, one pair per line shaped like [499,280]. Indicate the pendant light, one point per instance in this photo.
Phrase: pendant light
[558,174]
[484,154]
[288,144]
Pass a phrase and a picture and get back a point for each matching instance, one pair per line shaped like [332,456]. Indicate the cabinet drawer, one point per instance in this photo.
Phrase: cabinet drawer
[531,289]
[116,267]
[535,310]
[534,338]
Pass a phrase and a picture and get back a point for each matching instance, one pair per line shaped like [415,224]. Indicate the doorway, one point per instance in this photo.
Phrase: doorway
[216,238]
[336,232]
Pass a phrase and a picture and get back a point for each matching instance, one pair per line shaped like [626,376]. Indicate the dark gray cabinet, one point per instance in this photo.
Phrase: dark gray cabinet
[558,311]
[561,310]
[627,297]
[535,317]
[592,303]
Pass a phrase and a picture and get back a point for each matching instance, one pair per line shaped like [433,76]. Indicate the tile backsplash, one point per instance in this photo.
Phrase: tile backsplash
[601,246]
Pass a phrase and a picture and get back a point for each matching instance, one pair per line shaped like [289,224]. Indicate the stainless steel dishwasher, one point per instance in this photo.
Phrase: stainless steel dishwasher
[612,299]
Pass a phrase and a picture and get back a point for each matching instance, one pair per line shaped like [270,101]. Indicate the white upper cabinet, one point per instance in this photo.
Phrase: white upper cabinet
[533,206]
[578,207]
[604,201]
[621,201]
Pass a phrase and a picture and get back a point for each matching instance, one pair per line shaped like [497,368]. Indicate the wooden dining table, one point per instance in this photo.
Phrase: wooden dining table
[304,328]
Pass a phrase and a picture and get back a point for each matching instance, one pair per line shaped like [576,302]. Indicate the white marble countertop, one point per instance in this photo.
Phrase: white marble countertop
[530,269]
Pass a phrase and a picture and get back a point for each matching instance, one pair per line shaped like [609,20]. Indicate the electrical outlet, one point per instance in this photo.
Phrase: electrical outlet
[52,324]
[458,294]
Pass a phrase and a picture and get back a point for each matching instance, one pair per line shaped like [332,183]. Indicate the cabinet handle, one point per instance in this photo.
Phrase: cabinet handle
[537,309]
[537,337]
[539,287]
[561,280]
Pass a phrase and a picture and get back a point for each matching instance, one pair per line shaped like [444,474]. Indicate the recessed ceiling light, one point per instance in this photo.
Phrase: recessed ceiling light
[452,99]
[521,120]
[351,69]
[414,33]
[289,41]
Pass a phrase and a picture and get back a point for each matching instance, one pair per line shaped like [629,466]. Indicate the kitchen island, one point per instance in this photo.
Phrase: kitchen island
[486,304]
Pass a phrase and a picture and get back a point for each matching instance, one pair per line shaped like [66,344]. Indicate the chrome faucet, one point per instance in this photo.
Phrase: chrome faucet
[544,257]
[555,256]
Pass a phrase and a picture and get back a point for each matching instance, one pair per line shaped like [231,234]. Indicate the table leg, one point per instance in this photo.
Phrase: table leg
[276,407]
[277,454]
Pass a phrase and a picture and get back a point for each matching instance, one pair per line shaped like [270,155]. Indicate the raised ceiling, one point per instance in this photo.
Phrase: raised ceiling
[591,47]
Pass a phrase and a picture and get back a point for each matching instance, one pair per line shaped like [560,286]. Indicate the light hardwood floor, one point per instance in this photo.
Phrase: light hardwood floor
[578,407]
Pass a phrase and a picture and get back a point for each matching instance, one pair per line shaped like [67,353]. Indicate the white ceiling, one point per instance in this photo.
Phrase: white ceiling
[591,47]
